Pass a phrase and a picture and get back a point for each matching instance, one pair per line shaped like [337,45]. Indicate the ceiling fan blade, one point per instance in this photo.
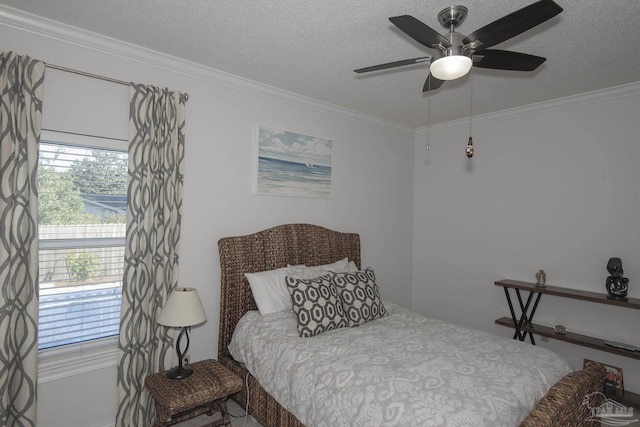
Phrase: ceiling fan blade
[431,83]
[506,60]
[419,31]
[513,24]
[392,64]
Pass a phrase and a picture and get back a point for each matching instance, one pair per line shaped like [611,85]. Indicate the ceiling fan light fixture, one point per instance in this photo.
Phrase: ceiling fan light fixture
[451,67]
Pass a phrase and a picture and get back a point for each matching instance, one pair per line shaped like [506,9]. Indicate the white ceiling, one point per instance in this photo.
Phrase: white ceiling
[312,47]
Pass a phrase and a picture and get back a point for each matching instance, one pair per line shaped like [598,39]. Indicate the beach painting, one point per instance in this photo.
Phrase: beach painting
[293,164]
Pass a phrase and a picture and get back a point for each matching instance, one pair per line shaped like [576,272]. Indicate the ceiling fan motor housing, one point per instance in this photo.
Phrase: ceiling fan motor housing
[450,18]
[453,62]
[457,45]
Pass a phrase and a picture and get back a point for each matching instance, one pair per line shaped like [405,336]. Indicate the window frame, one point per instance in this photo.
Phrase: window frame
[73,359]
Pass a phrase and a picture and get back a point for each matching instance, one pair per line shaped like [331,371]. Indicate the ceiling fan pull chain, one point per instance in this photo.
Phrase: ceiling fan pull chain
[469,149]
[428,112]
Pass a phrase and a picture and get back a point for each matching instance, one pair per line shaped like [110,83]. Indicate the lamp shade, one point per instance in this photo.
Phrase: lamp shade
[183,308]
[451,67]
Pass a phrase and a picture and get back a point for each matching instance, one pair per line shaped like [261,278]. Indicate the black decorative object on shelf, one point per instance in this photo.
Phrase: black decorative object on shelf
[616,284]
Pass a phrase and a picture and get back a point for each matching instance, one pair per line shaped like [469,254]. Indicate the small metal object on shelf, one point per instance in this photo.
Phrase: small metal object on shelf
[541,277]
[559,329]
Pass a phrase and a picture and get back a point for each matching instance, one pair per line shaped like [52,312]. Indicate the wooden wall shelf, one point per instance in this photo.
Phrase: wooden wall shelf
[596,297]
[583,340]
[524,326]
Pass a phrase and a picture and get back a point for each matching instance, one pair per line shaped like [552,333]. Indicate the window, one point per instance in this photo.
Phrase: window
[81,220]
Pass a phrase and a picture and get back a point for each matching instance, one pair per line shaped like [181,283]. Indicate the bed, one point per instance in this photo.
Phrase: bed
[536,397]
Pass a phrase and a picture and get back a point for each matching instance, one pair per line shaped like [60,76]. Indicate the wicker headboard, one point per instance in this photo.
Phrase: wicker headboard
[266,250]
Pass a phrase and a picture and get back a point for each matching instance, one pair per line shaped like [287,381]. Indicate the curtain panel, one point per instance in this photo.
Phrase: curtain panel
[156,162]
[21,83]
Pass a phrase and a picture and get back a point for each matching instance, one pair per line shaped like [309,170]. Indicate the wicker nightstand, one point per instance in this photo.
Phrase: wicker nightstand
[205,391]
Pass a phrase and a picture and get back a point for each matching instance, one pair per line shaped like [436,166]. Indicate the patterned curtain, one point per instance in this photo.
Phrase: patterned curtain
[156,158]
[21,80]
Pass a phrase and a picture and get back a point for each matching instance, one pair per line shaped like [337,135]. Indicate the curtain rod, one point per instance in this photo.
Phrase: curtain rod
[96,76]
[84,73]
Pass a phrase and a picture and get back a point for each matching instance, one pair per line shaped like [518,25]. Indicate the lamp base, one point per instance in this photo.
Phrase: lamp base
[179,372]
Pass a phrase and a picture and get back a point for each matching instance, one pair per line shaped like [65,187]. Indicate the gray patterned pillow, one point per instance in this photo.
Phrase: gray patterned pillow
[316,305]
[360,296]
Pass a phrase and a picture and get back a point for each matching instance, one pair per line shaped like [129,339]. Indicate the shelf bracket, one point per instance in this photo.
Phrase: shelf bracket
[525,316]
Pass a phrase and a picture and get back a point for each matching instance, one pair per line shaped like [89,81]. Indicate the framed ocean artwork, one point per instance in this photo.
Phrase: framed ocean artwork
[293,164]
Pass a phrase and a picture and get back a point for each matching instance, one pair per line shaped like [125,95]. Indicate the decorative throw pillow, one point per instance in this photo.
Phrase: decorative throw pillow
[360,296]
[316,305]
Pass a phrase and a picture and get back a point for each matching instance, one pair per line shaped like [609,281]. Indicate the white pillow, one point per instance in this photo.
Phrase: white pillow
[351,268]
[269,289]
[308,273]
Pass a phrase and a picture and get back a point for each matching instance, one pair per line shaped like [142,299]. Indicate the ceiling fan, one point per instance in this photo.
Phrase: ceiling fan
[456,53]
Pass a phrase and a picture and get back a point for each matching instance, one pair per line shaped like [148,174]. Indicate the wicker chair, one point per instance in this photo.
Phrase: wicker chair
[563,406]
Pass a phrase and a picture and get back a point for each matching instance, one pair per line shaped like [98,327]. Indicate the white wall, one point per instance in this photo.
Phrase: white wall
[553,186]
[372,175]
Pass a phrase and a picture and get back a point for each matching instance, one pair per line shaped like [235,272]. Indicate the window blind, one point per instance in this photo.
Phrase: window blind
[81,216]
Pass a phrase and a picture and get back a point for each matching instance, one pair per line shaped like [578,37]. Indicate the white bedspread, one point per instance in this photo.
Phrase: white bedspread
[401,370]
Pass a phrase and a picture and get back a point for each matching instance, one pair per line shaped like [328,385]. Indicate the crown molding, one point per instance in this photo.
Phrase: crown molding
[600,95]
[54,30]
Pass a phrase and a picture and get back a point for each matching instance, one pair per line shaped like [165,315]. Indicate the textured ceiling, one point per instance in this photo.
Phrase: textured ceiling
[312,47]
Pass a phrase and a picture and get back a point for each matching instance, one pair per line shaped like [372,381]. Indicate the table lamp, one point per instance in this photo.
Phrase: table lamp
[182,310]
